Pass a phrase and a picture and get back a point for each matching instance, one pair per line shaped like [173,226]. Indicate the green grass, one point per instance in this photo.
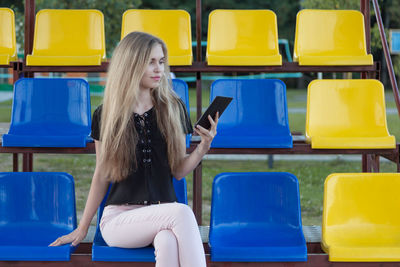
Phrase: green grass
[5,111]
[311,174]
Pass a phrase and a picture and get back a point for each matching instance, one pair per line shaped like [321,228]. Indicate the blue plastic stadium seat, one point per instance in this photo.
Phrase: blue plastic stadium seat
[255,217]
[181,89]
[257,117]
[50,112]
[102,252]
[35,209]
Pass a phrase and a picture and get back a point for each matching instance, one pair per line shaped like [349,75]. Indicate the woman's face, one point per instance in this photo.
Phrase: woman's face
[154,70]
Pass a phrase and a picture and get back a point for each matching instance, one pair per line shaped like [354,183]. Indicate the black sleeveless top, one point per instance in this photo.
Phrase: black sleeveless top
[151,181]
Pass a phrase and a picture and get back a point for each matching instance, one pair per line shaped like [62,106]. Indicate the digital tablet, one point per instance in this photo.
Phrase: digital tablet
[219,104]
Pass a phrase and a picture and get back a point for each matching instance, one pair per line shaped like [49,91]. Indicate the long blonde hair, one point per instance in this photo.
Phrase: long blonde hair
[117,131]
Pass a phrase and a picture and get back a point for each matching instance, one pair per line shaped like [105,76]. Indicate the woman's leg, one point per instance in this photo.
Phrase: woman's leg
[166,249]
[138,228]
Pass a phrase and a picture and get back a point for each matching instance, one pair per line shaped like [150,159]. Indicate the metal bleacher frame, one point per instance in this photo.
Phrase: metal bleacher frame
[316,257]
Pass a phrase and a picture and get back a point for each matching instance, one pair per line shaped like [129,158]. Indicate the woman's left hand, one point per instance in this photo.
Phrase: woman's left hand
[207,135]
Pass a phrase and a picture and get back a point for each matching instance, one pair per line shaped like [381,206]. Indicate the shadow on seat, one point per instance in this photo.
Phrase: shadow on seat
[243,37]
[172,26]
[49,113]
[68,38]
[257,117]
[181,89]
[255,217]
[345,114]
[35,209]
[361,220]
[330,37]
[102,252]
[8,45]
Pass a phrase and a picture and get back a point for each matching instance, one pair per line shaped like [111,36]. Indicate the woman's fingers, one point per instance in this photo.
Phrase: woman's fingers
[65,239]
[58,242]
[76,241]
[207,135]
[211,121]
[203,132]
[53,244]
[215,121]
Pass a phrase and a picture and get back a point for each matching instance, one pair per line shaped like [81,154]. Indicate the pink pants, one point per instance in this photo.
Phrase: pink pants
[170,227]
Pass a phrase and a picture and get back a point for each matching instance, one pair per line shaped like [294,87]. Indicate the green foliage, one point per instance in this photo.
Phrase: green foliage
[396,66]
[14,5]
[285,10]
[331,4]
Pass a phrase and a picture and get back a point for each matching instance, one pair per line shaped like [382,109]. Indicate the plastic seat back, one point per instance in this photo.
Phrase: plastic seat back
[35,209]
[172,26]
[330,37]
[181,89]
[253,214]
[68,37]
[257,115]
[50,113]
[8,46]
[361,220]
[102,252]
[243,37]
[347,114]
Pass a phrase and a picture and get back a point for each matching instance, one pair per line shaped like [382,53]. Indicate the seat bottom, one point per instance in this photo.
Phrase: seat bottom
[32,60]
[272,60]
[102,252]
[106,253]
[364,253]
[4,59]
[36,253]
[353,142]
[12,140]
[183,60]
[259,254]
[335,60]
[260,141]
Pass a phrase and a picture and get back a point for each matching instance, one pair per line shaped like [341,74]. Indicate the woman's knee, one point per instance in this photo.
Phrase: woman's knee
[182,212]
[165,240]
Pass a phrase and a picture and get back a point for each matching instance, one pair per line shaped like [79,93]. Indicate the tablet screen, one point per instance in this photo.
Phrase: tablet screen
[219,104]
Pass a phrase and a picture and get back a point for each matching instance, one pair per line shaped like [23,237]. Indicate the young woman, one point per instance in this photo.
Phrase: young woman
[139,134]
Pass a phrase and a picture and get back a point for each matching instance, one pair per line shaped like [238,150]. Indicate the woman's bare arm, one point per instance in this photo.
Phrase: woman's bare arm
[191,161]
[98,189]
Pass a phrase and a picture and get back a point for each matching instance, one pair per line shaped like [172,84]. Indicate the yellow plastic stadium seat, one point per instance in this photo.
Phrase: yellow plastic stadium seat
[172,26]
[330,37]
[361,218]
[68,38]
[8,47]
[243,38]
[347,114]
